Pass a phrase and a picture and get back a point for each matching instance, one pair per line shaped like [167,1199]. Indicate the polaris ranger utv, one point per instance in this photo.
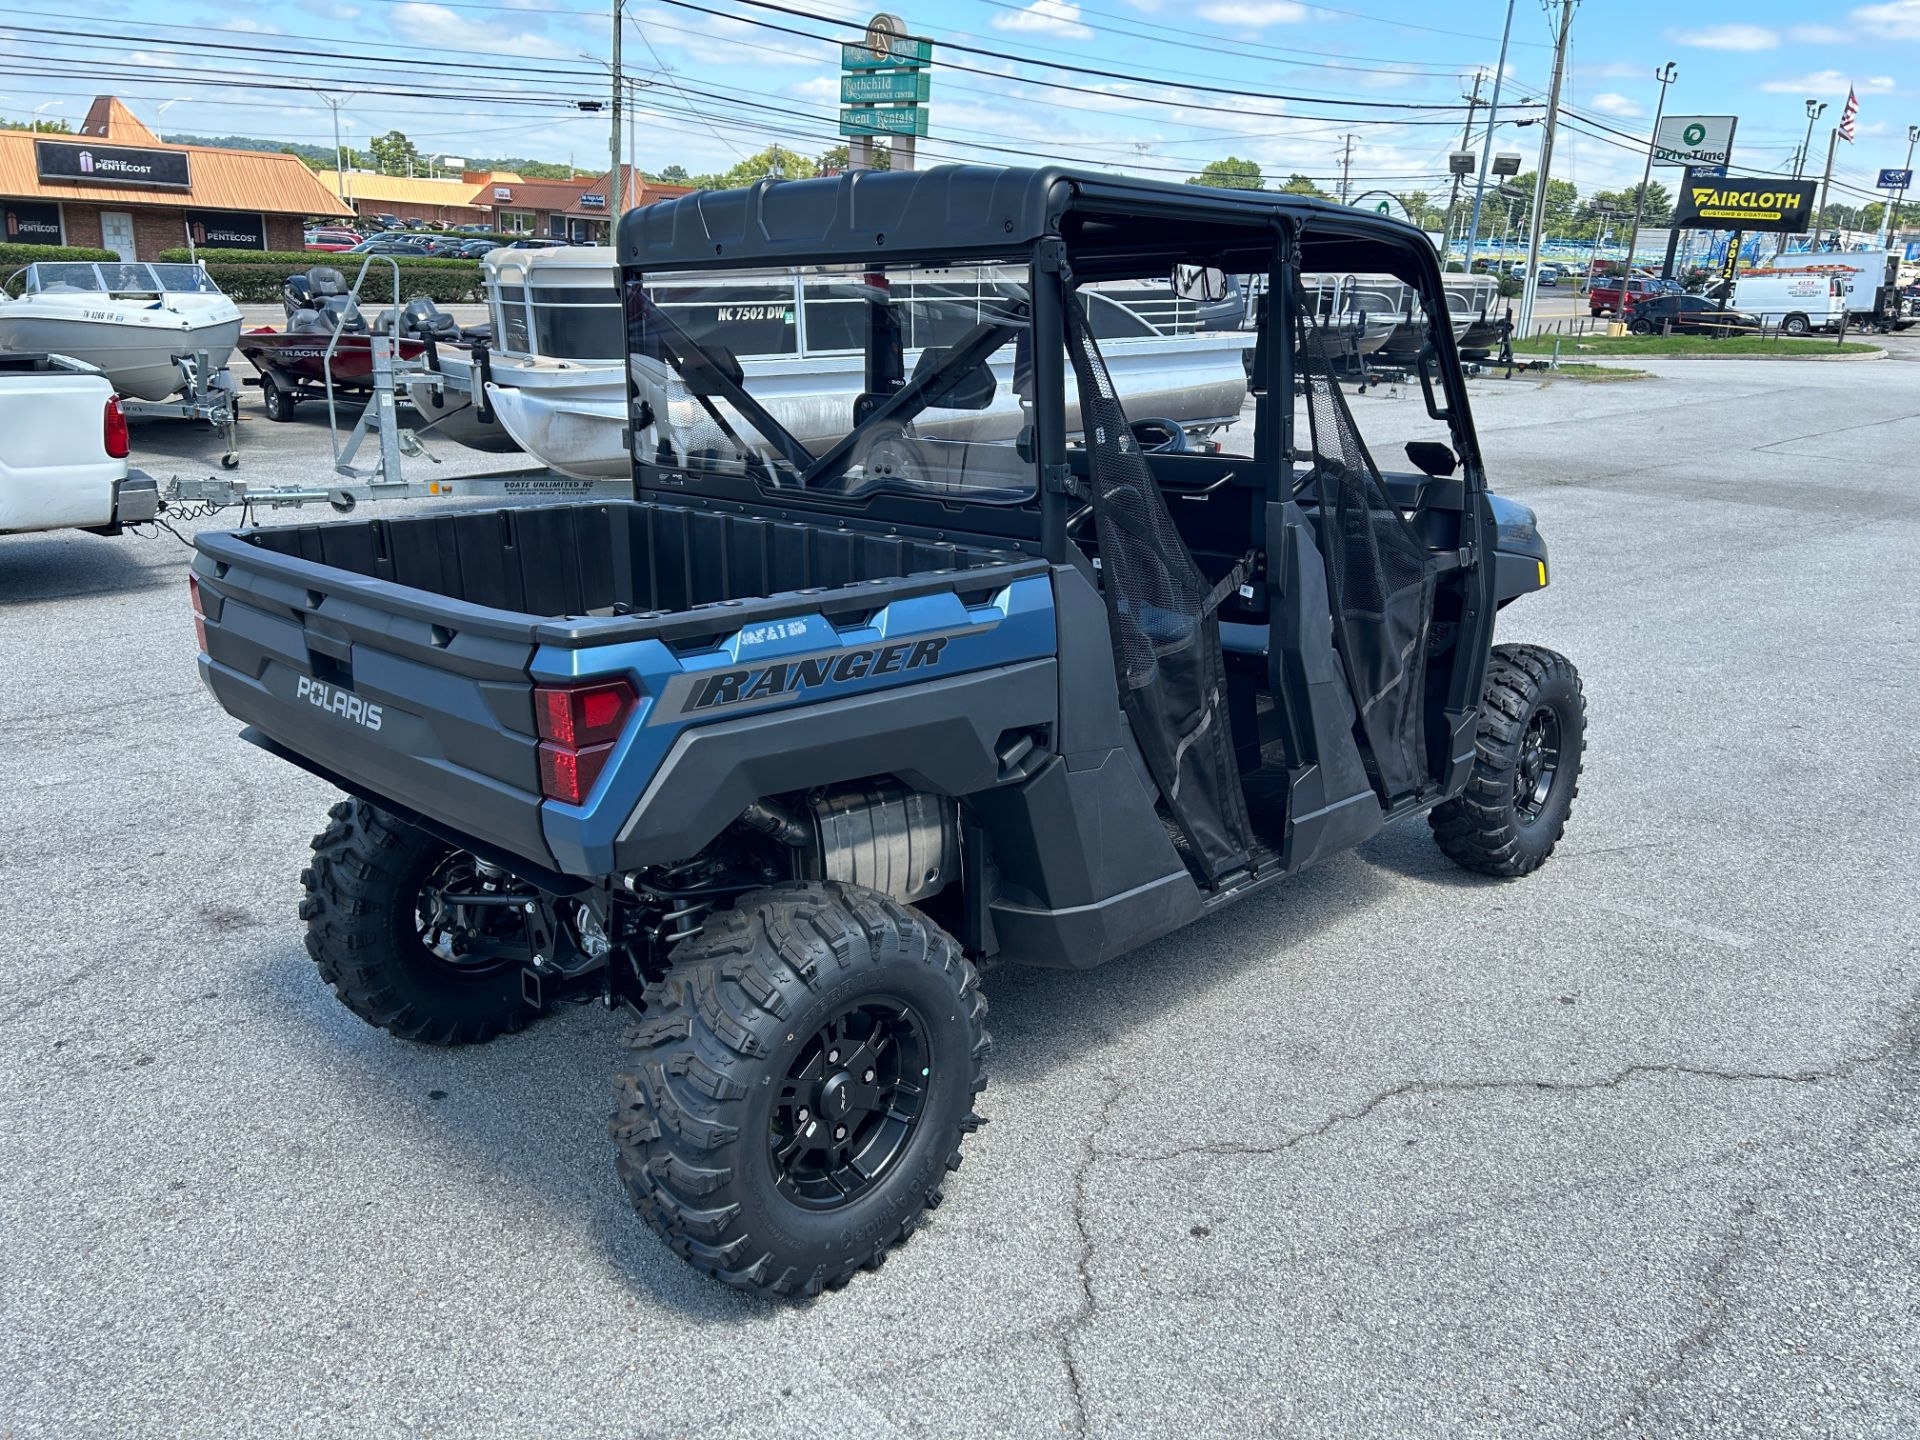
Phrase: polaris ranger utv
[982,668]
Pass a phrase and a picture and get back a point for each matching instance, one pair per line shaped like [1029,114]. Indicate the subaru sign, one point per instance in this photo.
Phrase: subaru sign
[1894,179]
[83,164]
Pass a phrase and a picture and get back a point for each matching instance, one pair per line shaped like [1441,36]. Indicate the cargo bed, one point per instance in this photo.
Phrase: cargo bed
[398,657]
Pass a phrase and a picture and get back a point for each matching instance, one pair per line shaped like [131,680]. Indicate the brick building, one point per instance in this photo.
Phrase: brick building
[450,201]
[118,186]
[573,210]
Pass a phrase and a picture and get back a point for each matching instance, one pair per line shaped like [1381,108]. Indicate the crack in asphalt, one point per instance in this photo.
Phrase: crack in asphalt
[1070,1327]
[1333,1122]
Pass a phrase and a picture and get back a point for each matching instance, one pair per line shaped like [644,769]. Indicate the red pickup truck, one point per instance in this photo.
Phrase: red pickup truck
[1603,293]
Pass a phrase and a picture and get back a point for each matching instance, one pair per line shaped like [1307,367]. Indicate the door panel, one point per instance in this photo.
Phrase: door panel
[116,233]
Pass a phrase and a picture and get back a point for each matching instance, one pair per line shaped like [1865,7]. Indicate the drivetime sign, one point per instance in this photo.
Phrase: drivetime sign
[1694,140]
[1894,179]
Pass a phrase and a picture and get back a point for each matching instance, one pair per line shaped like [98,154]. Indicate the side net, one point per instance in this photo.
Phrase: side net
[1379,578]
[1166,638]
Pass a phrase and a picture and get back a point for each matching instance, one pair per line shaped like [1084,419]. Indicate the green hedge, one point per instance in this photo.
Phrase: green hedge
[27,254]
[302,259]
[260,284]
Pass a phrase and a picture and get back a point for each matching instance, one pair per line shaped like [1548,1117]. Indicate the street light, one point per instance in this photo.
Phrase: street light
[1665,75]
[1815,109]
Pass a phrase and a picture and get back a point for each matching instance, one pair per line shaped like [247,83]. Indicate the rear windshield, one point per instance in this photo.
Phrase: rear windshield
[846,381]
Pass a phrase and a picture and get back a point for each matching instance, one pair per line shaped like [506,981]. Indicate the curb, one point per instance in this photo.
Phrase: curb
[1578,359]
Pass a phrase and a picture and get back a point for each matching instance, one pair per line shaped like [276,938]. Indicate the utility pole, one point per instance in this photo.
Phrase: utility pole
[1820,210]
[1539,221]
[1486,150]
[1665,75]
[1346,166]
[1466,142]
[616,179]
[1893,207]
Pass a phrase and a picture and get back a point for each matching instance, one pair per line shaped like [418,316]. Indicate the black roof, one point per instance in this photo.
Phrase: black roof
[966,211]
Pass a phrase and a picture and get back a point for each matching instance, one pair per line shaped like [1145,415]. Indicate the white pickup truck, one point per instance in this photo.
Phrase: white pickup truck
[63,450]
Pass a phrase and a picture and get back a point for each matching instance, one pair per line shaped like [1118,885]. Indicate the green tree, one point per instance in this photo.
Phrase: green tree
[839,157]
[776,161]
[1232,173]
[39,127]
[673,175]
[1298,184]
[1563,202]
[394,153]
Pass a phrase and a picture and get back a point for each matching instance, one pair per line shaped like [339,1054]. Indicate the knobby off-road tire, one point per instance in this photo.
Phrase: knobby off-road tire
[364,933]
[1526,769]
[737,1053]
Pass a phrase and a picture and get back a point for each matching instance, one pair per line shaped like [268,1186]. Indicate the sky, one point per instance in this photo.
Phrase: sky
[1175,83]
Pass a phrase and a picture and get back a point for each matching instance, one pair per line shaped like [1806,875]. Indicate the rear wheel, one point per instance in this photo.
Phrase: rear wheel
[1796,325]
[1641,327]
[1526,769]
[804,1075]
[413,935]
[277,402]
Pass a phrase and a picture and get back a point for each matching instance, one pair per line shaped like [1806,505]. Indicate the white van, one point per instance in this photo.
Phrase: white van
[1868,279]
[1797,301]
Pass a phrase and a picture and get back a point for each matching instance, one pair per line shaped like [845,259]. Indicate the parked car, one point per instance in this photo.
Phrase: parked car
[1603,293]
[64,463]
[331,238]
[537,242]
[390,244]
[1798,301]
[1689,315]
[470,249]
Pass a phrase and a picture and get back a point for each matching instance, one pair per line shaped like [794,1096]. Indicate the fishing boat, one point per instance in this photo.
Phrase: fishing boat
[555,379]
[1474,302]
[143,326]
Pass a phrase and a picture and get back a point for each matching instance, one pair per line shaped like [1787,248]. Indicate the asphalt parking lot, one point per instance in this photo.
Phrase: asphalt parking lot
[1625,1149]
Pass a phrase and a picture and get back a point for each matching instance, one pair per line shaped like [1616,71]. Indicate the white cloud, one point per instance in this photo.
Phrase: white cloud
[421,23]
[1897,19]
[1608,103]
[1728,37]
[1254,14]
[1828,82]
[1817,35]
[252,27]
[1046,17]
[820,87]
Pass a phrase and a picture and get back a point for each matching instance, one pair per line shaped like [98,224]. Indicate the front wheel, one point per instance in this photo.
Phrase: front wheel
[804,1075]
[413,935]
[1526,769]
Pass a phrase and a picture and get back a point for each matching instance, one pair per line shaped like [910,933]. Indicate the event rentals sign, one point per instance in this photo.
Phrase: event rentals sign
[884,85]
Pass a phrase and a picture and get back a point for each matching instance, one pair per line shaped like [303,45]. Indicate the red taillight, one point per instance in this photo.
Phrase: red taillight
[199,612]
[578,725]
[119,445]
[568,775]
[580,715]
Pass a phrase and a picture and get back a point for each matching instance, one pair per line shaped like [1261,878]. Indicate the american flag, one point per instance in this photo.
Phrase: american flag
[1846,115]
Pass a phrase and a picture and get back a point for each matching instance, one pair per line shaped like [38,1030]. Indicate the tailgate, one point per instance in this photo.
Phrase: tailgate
[399,694]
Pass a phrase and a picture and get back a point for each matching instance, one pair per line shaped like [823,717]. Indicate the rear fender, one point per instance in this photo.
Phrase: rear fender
[922,688]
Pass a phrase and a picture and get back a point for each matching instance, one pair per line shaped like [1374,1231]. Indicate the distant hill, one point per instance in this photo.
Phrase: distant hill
[321,156]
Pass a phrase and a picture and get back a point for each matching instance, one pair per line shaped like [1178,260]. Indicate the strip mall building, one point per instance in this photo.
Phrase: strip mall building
[118,186]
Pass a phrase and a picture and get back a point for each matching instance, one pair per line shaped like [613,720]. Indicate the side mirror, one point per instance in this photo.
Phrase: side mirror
[1430,457]
[1206,284]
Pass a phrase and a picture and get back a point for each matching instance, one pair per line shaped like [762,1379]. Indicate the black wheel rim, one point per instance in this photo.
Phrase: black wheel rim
[1538,766]
[850,1104]
[469,922]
